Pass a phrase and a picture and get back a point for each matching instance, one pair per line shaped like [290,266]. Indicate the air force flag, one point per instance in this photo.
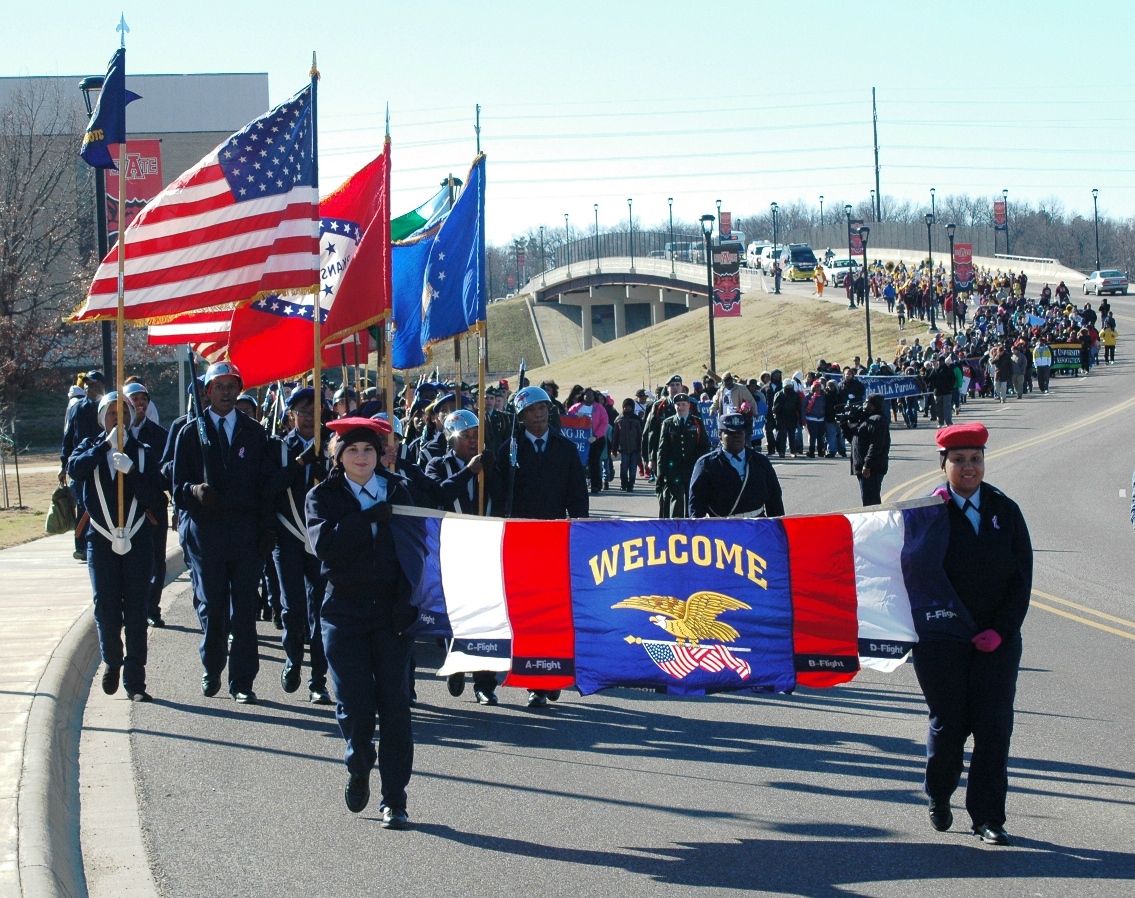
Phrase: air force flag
[453,296]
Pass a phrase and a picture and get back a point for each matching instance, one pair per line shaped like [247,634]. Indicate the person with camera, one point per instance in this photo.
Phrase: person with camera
[868,429]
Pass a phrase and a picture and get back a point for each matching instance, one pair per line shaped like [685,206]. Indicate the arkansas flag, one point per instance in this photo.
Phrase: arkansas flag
[691,606]
[273,337]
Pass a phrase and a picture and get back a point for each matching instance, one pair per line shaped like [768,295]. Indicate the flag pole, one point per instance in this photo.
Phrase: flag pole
[482,343]
[317,307]
[120,320]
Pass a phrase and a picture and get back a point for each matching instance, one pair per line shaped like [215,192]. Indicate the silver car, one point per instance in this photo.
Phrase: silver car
[1108,281]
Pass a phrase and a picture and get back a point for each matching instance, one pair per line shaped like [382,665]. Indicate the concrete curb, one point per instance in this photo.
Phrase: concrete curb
[51,862]
[50,849]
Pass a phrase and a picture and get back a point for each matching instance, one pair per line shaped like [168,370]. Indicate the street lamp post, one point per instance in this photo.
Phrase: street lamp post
[874,211]
[516,245]
[933,210]
[950,228]
[1096,209]
[630,222]
[851,292]
[707,230]
[543,260]
[821,216]
[930,275]
[1005,196]
[567,242]
[775,248]
[720,236]
[598,269]
[91,86]
[864,233]
[670,200]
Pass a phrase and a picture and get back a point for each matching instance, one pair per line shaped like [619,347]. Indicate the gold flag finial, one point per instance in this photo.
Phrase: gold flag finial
[314,73]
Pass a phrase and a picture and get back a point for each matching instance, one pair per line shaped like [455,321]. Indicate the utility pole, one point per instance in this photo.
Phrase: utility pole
[878,190]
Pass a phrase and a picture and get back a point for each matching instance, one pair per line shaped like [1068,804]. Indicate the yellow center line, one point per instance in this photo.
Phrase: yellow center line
[1085,609]
[1084,620]
[917,484]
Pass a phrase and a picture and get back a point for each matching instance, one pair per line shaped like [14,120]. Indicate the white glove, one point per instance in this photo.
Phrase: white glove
[121,462]
[112,439]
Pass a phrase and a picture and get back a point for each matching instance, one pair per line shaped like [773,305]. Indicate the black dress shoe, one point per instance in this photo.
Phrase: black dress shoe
[941,817]
[290,678]
[156,621]
[485,696]
[142,696]
[319,697]
[110,679]
[537,700]
[357,793]
[245,698]
[553,695]
[210,685]
[277,622]
[394,818]
[456,684]
[990,834]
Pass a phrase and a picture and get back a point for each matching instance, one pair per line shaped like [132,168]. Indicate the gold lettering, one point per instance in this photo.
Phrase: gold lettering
[605,564]
[651,558]
[757,566]
[632,561]
[677,539]
[703,551]
[726,554]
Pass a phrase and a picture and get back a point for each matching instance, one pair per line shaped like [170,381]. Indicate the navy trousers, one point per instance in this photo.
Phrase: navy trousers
[969,693]
[368,666]
[871,488]
[227,568]
[121,586]
[159,532]
[301,590]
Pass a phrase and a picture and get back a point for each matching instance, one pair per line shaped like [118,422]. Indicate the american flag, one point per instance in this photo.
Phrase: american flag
[242,223]
[681,660]
[207,332]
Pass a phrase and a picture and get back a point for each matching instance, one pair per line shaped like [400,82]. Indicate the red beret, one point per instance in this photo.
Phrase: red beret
[963,436]
[344,425]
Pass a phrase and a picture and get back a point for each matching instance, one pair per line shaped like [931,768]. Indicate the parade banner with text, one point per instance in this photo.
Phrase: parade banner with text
[691,607]
[1065,356]
[1000,215]
[856,242]
[577,428]
[963,267]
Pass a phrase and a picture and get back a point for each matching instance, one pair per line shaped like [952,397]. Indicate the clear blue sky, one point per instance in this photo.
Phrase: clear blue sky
[587,102]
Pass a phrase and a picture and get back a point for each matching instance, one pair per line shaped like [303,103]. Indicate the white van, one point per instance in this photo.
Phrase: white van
[753,253]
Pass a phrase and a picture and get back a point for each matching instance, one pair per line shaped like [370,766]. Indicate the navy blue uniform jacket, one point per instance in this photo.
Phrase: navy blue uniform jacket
[92,459]
[716,483]
[549,486]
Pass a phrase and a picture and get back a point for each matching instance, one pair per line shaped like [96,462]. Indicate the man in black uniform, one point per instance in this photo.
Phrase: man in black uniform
[546,474]
[734,480]
[151,434]
[222,488]
[297,469]
[682,441]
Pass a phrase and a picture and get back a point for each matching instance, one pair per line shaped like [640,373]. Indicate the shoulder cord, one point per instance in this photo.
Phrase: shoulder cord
[132,525]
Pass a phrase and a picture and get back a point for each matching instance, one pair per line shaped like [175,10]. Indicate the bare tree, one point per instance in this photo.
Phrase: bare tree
[41,232]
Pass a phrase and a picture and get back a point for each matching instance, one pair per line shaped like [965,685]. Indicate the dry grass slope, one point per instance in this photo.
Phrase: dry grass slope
[786,333]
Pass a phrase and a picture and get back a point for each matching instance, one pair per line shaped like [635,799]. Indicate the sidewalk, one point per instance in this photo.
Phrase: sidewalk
[50,657]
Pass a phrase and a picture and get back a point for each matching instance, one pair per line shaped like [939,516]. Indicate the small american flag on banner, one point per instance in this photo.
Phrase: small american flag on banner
[242,223]
[681,660]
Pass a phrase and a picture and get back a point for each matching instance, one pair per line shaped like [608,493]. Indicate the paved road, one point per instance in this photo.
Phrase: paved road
[629,793]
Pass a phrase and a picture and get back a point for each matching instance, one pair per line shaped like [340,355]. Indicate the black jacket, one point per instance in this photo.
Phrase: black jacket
[548,487]
[992,570]
[871,445]
[364,577]
[716,485]
[82,424]
[458,486]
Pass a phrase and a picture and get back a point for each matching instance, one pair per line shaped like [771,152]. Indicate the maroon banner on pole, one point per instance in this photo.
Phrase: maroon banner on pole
[725,226]
[856,240]
[727,280]
[963,267]
[1000,214]
[143,181]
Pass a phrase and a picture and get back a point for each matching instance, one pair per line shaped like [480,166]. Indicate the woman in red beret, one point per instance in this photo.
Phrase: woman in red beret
[366,611]
[968,668]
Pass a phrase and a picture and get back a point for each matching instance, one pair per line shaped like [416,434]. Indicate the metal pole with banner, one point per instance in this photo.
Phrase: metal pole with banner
[727,279]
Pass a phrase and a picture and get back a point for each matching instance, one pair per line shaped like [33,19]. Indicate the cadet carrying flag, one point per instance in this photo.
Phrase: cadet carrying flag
[239,225]
[453,300]
[108,122]
[690,606]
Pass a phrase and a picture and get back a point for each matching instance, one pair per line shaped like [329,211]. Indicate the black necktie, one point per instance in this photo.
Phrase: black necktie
[540,446]
[223,439]
[968,505]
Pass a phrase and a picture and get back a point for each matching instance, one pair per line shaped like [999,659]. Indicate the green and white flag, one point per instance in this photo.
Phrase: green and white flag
[421,219]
